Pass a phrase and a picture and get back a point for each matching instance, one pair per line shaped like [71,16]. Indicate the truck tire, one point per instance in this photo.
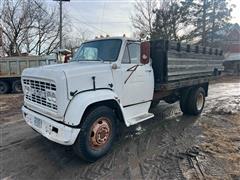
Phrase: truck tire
[184,103]
[171,99]
[4,87]
[215,72]
[196,101]
[97,134]
[17,86]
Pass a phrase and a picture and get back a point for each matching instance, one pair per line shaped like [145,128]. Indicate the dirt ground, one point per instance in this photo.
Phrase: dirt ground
[169,146]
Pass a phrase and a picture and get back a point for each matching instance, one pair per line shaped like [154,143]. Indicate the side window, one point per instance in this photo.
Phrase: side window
[126,59]
[134,52]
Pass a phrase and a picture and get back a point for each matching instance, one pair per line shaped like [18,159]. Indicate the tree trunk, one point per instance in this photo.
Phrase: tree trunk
[204,23]
[213,22]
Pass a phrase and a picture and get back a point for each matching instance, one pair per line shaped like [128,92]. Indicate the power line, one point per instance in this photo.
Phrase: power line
[39,6]
[102,1]
[105,22]
[90,25]
[79,29]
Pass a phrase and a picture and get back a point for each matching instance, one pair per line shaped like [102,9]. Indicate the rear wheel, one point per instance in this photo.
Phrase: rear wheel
[97,134]
[4,87]
[17,86]
[192,101]
[184,103]
[196,101]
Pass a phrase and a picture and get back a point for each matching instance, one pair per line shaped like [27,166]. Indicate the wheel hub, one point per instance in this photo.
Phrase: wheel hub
[100,132]
[200,100]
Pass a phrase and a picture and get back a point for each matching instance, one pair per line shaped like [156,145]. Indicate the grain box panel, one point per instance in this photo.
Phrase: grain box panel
[183,61]
[13,68]
[4,68]
[23,65]
[33,63]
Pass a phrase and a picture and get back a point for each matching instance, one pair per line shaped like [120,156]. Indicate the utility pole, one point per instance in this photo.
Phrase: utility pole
[61,19]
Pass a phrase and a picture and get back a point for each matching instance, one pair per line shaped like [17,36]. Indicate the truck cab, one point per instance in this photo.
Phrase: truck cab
[106,79]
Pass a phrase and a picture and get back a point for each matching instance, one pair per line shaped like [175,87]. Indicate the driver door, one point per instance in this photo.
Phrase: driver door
[137,78]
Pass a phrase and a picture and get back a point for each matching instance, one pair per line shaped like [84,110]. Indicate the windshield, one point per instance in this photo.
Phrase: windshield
[99,50]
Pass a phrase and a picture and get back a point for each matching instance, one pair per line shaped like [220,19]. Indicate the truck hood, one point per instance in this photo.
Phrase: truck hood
[80,75]
[71,77]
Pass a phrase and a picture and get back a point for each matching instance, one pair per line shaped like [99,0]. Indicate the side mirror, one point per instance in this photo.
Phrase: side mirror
[145,52]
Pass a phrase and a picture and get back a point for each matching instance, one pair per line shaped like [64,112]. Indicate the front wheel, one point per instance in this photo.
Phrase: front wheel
[97,134]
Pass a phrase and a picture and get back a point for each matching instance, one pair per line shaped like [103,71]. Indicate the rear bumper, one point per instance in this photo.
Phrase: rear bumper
[50,129]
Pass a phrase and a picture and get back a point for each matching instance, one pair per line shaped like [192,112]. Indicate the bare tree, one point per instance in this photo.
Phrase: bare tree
[16,17]
[43,37]
[30,26]
[73,41]
[144,15]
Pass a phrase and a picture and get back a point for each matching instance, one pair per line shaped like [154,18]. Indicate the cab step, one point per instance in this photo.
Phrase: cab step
[140,118]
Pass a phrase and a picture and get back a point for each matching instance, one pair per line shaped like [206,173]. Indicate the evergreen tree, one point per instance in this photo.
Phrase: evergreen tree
[172,19]
[200,21]
[210,19]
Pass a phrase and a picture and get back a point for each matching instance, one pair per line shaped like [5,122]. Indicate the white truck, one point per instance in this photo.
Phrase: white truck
[111,81]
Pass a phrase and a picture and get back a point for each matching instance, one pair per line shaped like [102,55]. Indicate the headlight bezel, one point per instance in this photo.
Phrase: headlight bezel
[51,96]
[27,90]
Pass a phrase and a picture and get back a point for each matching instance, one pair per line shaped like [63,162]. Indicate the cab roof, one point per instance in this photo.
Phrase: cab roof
[115,37]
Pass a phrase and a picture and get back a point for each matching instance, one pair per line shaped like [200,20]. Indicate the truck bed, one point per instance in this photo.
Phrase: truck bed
[13,66]
[177,64]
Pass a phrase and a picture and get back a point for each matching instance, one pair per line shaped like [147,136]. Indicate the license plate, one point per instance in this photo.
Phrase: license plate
[38,122]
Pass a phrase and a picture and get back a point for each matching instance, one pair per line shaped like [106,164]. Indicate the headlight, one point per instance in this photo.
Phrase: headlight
[51,97]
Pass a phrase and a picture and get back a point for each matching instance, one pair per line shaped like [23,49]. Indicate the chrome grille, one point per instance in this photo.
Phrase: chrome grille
[38,90]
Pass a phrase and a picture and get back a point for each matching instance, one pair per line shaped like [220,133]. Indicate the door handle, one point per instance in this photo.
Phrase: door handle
[148,70]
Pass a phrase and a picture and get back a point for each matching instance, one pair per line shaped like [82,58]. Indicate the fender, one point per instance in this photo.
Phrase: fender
[81,101]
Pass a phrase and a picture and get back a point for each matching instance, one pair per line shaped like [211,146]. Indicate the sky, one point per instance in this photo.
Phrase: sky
[112,17]
[236,11]
[100,17]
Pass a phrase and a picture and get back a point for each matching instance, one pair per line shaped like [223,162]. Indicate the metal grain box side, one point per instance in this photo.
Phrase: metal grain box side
[192,65]
[173,61]
[158,55]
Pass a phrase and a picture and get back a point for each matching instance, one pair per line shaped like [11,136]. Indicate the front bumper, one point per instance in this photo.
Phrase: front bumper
[50,129]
